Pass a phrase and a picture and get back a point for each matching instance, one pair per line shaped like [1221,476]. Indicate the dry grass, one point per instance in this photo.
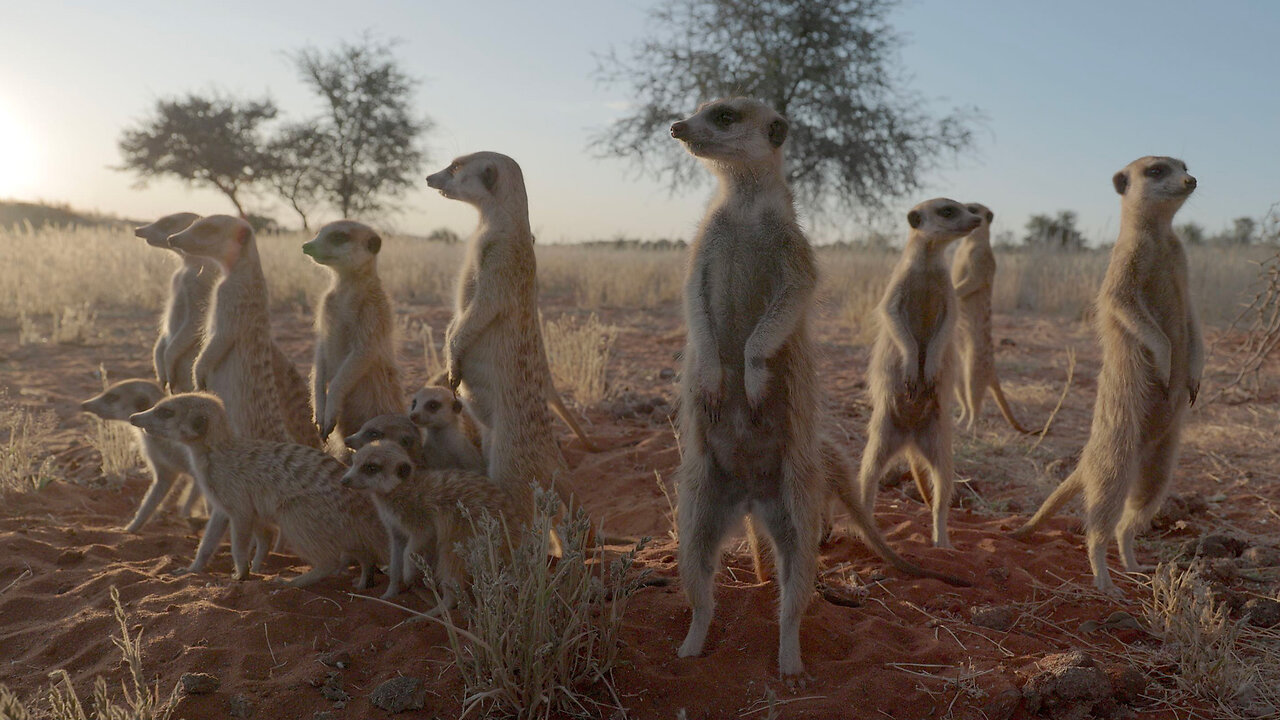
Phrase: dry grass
[140,701]
[21,430]
[542,636]
[578,350]
[420,331]
[114,441]
[129,275]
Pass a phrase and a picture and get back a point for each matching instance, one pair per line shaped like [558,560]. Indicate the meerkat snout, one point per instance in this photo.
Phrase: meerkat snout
[679,129]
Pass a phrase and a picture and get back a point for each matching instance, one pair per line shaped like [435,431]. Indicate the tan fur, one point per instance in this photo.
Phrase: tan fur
[183,320]
[253,484]
[166,460]
[749,406]
[1152,361]
[428,512]
[973,271]
[442,417]
[493,346]
[912,372]
[238,360]
[355,376]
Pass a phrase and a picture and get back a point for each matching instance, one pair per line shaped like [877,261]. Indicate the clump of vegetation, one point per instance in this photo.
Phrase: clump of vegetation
[114,441]
[139,701]
[21,467]
[578,352]
[540,633]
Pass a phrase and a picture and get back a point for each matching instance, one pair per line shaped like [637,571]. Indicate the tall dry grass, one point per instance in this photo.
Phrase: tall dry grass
[106,269]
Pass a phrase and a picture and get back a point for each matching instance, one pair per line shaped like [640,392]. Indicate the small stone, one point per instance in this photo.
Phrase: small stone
[1260,556]
[996,617]
[69,557]
[400,694]
[1070,686]
[1220,546]
[199,683]
[340,660]
[332,690]
[666,374]
[1127,682]
[1008,342]
[1262,612]
[239,706]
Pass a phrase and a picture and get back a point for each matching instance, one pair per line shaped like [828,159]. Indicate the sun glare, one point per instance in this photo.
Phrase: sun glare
[17,155]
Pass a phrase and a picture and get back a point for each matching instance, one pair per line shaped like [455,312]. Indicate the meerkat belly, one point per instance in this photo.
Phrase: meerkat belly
[749,444]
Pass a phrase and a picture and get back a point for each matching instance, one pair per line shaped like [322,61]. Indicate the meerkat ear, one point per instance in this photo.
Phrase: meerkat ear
[913,219]
[990,216]
[457,407]
[489,176]
[777,132]
[403,470]
[375,244]
[1121,181]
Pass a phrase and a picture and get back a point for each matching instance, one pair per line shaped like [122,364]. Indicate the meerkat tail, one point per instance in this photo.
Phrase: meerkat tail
[870,535]
[918,474]
[757,561]
[1064,492]
[553,398]
[1005,410]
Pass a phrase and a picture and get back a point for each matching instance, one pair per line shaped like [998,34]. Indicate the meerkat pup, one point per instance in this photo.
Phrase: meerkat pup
[427,507]
[749,407]
[442,418]
[183,320]
[166,460]
[912,372]
[973,271]
[355,376]
[255,483]
[493,345]
[238,361]
[1152,361]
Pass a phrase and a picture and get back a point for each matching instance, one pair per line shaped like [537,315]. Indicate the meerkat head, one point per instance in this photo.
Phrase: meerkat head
[186,418]
[219,237]
[942,220]
[737,132]
[157,233]
[983,212]
[434,407]
[398,429]
[379,466]
[1155,182]
[123,399]
[344,245]
[479,179]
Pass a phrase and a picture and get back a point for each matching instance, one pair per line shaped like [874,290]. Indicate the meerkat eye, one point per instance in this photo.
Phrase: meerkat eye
[164,413]
[371,469]
[375,434]
[413,404]
[724,117]
[973,209]
[1155,172]
[947,212]
[453,168]
[340,238]
[433,405]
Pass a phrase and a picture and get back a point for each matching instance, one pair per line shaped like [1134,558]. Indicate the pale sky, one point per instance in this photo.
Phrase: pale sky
[1071,92]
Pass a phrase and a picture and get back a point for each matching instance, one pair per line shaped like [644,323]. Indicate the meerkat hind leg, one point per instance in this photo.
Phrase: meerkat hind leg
[1103,504]
[935,449]
[703,519]
[1147,493]
[160,487]
[883,445]
[795,555]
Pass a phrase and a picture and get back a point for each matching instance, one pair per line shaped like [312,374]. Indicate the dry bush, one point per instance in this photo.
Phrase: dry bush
[114,441]
[541,634]
[1218,660]
[578,352]
[602,277]
[853,281]
[139,700]
[74,325]
[21,467]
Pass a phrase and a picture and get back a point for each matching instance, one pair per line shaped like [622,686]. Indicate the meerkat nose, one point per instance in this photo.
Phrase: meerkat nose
[1190,182]
[679,129]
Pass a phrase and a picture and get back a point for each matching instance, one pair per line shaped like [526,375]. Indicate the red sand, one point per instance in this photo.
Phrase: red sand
[61,550]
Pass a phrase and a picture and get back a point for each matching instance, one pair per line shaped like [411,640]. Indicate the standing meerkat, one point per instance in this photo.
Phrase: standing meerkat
[254,483]
[182,323]
[166,460]
[354,377]
[238,361]
[749,406]
[912,371]
[973,271]
[1152,360]
[493,345]
[433,510]
[442,418]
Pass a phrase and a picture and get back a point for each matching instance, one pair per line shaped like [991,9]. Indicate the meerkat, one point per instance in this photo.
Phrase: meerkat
[238,360]
[354,377]
[1152,362]
[973,271]
[441,379]
[166,460]
[183,319]
[749,399]
[442,418]
[912,371]
[254,483]
[426,507]
[493,345]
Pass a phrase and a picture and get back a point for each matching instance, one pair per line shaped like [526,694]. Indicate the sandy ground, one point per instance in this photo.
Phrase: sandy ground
[910,650]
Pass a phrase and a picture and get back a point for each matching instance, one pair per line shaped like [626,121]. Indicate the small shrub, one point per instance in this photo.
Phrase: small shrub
[21,467]
[578,352]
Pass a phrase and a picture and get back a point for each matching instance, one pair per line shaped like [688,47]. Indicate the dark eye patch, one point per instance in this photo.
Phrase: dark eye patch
[340,238]
[371,469]
[164,413]
[948,211]
[433,405]
[1156,171]
[724,116]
